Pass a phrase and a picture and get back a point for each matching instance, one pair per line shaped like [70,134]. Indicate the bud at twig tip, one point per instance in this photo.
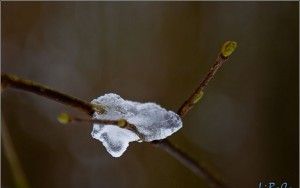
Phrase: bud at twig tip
[228,48]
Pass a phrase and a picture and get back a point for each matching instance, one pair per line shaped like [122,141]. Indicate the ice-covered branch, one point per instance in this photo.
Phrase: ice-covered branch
[13,81]
[65,118]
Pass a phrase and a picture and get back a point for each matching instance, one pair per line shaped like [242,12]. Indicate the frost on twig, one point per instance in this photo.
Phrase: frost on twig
[151,121]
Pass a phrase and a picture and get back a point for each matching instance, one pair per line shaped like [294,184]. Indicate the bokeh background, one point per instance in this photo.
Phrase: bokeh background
[245,129]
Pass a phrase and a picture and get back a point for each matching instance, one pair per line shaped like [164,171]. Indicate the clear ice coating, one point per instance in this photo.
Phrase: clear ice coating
[152,122]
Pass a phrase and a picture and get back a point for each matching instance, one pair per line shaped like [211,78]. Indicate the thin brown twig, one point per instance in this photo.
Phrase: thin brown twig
[197,94]
[190,163]
[178,154]
[9,80]
[226,50]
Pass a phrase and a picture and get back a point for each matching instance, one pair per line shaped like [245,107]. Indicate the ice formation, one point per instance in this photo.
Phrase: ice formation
[152,122]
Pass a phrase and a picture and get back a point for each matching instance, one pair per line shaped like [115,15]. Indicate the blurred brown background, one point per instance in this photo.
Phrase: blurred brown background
[245,128]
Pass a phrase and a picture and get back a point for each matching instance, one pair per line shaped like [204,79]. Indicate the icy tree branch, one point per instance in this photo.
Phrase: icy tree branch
[13,81]
[122,123]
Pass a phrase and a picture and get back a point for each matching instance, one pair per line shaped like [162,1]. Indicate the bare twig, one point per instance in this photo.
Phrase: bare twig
[8,80]
[190,163]
[226,51]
